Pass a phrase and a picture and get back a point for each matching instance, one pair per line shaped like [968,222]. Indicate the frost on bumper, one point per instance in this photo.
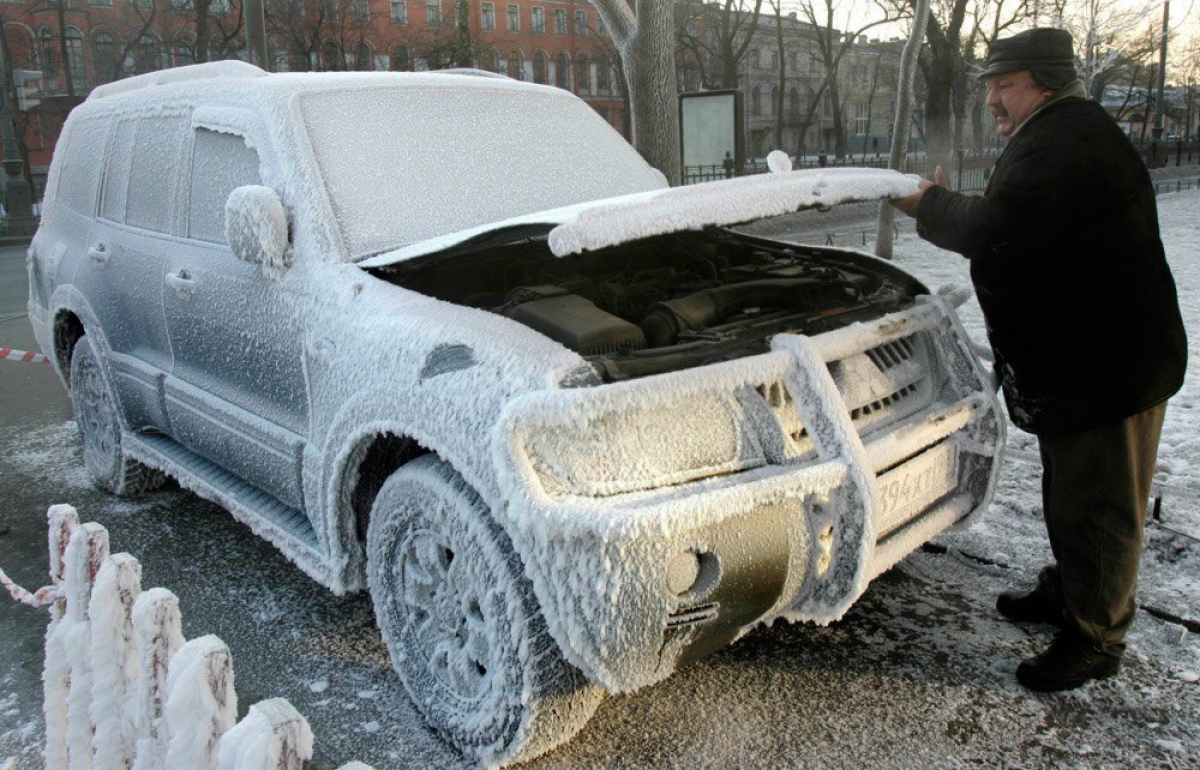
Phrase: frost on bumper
[662,518]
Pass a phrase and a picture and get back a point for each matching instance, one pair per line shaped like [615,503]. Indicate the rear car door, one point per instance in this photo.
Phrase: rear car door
[126,252]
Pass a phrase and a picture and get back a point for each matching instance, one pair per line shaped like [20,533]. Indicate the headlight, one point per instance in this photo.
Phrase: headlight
[644,447]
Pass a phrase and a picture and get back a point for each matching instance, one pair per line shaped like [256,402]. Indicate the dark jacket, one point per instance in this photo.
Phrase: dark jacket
[1070,272]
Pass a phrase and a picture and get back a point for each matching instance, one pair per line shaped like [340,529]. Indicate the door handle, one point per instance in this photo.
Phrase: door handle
[99,253]
[181,282]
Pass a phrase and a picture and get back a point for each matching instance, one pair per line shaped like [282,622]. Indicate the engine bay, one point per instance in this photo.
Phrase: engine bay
[663,303]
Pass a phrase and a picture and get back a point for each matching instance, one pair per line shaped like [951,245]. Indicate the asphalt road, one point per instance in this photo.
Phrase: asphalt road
[917,675]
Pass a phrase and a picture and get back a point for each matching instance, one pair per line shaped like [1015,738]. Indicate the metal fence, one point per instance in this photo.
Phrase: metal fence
[966,172]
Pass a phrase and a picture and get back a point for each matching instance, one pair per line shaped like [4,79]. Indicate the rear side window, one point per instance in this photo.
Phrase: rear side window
[82,153]
[116,171]
[150,200]
[220,163]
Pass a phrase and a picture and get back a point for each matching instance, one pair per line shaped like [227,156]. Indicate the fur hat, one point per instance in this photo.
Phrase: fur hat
[1046,52]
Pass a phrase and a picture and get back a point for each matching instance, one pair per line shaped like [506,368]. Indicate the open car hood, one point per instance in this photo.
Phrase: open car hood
[611,221]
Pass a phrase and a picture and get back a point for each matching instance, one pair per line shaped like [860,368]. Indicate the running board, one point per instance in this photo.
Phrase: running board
[285,526]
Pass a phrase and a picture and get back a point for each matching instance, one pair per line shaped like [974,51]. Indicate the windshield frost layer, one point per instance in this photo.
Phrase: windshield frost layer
[404,165]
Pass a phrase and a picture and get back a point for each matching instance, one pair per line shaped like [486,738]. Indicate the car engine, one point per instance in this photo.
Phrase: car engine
[664,303]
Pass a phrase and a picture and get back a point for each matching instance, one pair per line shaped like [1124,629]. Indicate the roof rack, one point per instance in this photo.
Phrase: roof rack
[217,70]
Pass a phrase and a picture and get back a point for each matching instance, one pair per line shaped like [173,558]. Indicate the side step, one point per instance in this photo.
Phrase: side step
[288,528]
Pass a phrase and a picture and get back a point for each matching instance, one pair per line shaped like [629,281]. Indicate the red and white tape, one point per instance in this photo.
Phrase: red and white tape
[8,354]
[40,598]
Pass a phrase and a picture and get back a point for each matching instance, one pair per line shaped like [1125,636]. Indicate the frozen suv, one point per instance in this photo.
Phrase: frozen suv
[448,338]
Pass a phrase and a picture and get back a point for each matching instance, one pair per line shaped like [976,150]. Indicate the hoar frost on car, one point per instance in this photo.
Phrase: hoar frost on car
[568,430]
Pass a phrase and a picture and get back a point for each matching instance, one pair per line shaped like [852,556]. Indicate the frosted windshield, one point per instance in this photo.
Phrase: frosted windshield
[401,166]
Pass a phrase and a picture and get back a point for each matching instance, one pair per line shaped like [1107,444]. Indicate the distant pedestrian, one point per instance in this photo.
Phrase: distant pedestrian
[1083,319]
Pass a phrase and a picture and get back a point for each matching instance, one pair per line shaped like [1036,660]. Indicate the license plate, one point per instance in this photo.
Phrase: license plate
[908,489]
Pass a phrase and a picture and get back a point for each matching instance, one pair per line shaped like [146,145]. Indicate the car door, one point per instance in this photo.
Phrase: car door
[236,393]
[127,249]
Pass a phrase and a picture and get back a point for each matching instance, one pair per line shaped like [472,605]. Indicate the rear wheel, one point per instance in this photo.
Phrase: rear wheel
[461,623]
[100,429]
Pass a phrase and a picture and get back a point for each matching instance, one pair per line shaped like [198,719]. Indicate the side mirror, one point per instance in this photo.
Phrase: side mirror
[256,229]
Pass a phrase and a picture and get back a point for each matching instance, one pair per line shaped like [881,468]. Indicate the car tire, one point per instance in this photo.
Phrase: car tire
[461,623]
[100,429]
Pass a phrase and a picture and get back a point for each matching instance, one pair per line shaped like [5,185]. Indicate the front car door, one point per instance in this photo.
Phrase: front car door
[237,392]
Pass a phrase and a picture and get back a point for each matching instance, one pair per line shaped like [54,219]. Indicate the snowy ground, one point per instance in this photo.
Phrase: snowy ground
[918,675]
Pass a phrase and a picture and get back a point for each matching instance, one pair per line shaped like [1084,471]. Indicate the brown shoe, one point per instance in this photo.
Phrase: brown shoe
[1069,662]
[1041,604]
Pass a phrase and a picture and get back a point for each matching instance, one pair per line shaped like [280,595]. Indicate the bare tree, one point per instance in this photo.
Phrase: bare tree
[723,35]
[644,37]
[833,45]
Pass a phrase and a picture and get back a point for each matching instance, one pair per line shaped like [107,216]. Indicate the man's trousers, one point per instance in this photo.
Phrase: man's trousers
[1095,489]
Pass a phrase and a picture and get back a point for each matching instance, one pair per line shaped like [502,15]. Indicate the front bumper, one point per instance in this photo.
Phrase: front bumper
[856,474]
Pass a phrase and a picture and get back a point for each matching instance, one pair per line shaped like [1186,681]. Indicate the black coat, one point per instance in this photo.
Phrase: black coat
[1070,272]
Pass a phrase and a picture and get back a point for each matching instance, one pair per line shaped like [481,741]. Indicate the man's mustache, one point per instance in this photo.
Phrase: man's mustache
[999,112]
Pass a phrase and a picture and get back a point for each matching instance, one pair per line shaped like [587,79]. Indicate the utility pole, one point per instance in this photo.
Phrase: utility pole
[18,198]
[1162,74]
[256,33]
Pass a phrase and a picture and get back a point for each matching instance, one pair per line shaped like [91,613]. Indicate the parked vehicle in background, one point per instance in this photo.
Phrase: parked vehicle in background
[569,430]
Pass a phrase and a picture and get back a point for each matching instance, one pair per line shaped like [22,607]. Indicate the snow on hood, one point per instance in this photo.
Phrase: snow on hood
[611,221]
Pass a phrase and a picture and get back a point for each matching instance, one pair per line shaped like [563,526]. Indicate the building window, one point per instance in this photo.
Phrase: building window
[540,65]
[399,11]
[583,75]
[183,51]
[433,13]
[104,58]
[362,12]
[603,76]
[400,60]
[756,101]
[562,72]
[101,3]
[514,65]
[145,56]
[538,20]
[514,18]
[581,23]
[488,16]
[560,22]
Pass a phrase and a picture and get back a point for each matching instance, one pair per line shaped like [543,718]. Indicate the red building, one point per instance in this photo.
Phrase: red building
[56,51]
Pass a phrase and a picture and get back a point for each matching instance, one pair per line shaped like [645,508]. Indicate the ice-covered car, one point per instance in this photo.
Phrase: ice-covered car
[448,338]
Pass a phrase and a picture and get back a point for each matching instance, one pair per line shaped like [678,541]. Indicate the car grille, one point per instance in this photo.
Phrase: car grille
[879,386]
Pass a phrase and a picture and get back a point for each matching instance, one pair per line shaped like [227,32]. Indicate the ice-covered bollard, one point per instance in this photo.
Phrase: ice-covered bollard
[273,736]
[201,704]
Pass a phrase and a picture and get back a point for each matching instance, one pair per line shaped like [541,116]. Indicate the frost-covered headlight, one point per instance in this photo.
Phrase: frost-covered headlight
[644,447]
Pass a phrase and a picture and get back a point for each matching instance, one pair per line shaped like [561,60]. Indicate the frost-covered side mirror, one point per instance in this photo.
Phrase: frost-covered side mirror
[256,229]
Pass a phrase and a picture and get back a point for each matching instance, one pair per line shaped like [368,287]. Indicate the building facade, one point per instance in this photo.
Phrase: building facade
[56,51]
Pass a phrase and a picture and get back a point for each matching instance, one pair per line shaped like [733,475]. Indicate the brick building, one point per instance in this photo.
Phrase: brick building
[56,51]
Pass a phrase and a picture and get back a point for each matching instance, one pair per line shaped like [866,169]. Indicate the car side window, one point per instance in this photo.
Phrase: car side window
[152,179]
[116,171]
[79,179]
[221,162]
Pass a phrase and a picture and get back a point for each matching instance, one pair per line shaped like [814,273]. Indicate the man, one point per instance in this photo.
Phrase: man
[1083,319]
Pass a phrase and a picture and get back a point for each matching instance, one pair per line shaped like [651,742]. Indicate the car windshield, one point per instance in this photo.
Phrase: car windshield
[404,165]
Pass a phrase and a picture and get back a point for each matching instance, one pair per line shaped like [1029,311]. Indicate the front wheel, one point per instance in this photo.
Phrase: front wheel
[461,623]
[100,429]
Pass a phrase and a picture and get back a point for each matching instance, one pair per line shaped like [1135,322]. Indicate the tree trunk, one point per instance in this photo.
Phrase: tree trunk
[646,43]
[904,99]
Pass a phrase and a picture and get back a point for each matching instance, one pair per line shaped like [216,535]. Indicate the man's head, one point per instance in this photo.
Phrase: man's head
[1023,72]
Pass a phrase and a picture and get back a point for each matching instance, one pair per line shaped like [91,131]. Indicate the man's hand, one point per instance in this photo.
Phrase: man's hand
[909,203]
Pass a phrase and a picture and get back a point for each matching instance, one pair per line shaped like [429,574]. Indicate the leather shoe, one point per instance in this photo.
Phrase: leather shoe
[1041,604]
[1069,662]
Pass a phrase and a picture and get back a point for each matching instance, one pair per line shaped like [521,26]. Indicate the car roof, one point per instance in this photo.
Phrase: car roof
[238,82]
